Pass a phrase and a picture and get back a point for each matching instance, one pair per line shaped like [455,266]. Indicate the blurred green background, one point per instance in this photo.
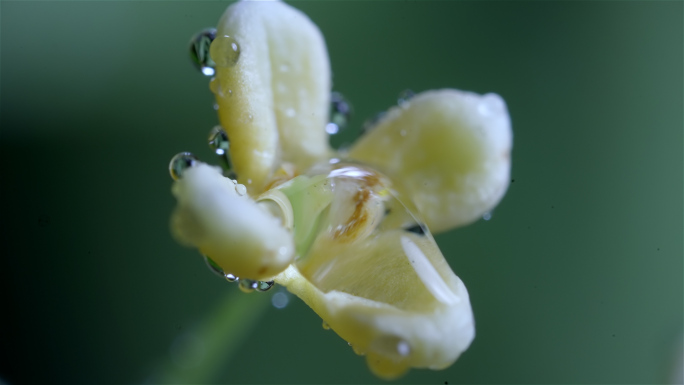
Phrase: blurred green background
[577,278]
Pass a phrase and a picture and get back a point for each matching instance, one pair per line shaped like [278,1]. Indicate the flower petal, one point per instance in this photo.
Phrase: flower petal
[215,215]
[450,152]
[272,86]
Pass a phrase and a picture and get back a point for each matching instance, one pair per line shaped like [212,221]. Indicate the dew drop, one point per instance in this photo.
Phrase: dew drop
[404,98]
[340,113]
[290,112]
[216,106]
[225,51]
[264,285]
[326,326]
[248,285]
[214,267]
[181,162]
[199,51]
[402,133]
[241,189]
[487,216]
[280,300]
[284,68]
[231,278]
[219,143]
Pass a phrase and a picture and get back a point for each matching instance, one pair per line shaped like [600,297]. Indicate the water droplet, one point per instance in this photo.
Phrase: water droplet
[332,128]
[219,143]
[490,104]
[199,51]
[487,216]
[231,278]
[181,162]
[248,285]
[290,112]
[284,68]
[358,350]
[340,113]
[402,133]
[216,106]
[214,267]
[225,51]
[264,285]
[334,161]
[326,326]
[372,122]
[404,98]
[280,300]
[241,189]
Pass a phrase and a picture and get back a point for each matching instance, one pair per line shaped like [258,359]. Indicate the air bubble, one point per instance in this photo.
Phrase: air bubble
[340,113]
[199,51]
[225,51]
[404,98]
[181,162]
[280,300]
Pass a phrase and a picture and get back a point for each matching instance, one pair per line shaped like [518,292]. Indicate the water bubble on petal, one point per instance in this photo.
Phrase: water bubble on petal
[340,111]
[248,285]
[219,143]
[280,300]
[332,128]
[231,277]
[216,106]
[241,189]
[326,326]
[199,51]
[214,267]
[404,98]
[181,162]
[225,51]
[487,216]
[264,285]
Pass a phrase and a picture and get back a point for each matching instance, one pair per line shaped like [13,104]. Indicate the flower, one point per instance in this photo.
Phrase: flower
[347,232]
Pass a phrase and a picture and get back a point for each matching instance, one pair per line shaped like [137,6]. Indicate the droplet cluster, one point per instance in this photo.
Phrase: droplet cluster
[245,285]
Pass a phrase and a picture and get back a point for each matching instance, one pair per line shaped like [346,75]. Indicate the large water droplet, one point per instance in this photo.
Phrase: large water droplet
[214,267]
[199,51]
[264,285]
[231,277]
[404,97]
[248,285]
[340,113]
[219,143]
[181,162]
[225,51]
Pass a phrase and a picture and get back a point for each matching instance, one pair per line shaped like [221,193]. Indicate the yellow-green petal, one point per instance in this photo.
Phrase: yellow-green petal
[448,151]
[272,87]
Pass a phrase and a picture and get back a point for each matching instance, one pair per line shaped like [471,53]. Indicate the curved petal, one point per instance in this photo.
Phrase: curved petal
[378,280]
[215,215]
[450,152]
[272,86]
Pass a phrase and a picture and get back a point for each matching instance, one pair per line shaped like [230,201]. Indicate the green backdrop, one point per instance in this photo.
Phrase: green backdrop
[577,278]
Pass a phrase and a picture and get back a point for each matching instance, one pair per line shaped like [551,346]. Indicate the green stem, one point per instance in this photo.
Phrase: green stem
[216,339]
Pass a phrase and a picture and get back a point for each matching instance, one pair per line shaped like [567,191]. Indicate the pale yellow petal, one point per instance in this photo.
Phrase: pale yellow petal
[273,94]
[215,215]
[448,151]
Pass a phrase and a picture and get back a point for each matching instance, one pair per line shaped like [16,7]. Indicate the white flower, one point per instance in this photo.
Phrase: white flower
[348,235]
